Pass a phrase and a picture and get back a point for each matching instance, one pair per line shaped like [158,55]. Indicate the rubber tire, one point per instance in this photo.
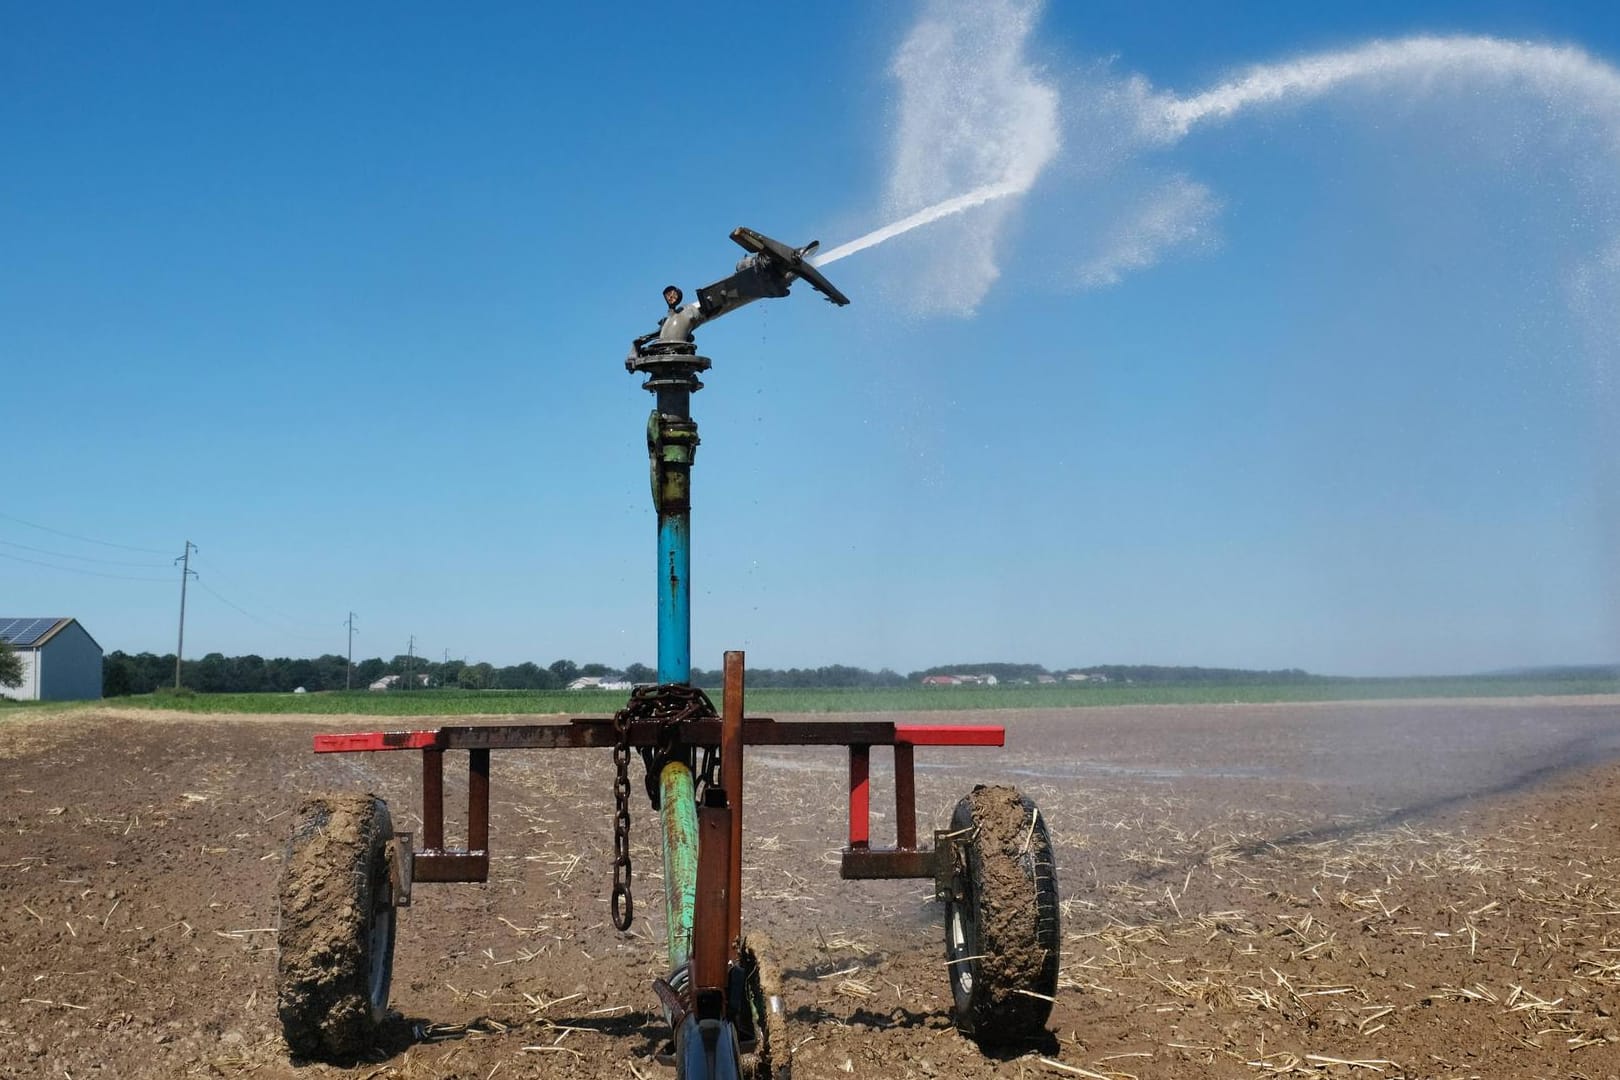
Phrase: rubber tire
[1002,932]
[336,935]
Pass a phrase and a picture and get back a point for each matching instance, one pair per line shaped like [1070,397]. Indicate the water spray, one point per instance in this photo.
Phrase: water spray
[1550,70]
[926,216]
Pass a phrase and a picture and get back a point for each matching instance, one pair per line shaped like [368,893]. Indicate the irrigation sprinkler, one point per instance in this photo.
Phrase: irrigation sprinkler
[347,869]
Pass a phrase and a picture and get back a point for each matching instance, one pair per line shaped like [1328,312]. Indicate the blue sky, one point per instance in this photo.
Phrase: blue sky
[342,296]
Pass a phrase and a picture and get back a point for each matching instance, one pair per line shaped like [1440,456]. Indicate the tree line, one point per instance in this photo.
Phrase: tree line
[142,673]
[215,673]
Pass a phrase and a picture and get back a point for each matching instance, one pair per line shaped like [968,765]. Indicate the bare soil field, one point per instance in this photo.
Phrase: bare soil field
[1392,889]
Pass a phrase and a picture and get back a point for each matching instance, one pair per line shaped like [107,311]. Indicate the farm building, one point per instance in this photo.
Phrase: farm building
[60,660]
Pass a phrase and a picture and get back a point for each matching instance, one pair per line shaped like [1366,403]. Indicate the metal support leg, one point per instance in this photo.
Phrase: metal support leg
[860,796]
[731,778]
[905,796]
[433,800]
[478,800]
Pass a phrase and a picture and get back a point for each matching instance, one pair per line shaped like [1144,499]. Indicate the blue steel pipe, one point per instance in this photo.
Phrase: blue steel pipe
[679,807]
[674,597]
[672,442]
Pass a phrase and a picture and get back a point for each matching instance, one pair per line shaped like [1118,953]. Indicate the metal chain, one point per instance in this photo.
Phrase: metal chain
[668,705]
[624,906]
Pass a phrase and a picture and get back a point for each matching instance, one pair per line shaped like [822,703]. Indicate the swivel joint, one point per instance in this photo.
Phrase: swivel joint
[672,443]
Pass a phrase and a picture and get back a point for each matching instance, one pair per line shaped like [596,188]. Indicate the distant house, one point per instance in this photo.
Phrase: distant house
[600,682]
[1076,676]
[941,680]
[389,682]
[1046,680]
[60,660]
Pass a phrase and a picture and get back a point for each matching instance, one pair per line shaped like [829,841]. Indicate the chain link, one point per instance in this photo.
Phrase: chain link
[668,704]
[623,905]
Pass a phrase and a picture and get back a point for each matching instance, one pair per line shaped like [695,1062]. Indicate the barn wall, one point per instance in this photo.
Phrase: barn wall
[29,690]
[70,666]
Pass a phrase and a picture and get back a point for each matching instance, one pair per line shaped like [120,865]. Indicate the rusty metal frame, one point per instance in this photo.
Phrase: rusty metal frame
[434,862]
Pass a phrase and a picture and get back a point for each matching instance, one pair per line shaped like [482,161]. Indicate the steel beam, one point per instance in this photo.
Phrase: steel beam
[866,864]
[584,732]
[440,866]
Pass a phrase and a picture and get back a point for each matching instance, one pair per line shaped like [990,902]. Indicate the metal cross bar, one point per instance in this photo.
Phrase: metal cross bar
[437,863]
[586,732]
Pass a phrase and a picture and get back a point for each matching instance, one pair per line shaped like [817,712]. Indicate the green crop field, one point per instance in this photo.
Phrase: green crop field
[767,702]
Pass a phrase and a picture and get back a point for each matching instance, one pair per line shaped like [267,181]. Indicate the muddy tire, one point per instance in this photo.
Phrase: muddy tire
[336,936]
[1001,919]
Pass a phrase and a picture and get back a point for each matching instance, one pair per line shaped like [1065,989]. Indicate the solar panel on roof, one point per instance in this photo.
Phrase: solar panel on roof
[25,632]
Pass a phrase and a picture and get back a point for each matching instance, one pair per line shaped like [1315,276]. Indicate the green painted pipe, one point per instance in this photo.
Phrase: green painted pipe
[680,829]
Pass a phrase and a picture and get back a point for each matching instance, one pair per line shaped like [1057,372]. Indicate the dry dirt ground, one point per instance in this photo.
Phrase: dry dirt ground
[1379,890]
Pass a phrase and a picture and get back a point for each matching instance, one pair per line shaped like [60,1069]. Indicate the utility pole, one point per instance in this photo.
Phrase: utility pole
[184,562]
[348,672]
[410,660]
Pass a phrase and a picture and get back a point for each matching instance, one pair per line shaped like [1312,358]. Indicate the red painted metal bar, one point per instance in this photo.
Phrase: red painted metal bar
[376,740]
[905,797]
[860,796]
[950,734]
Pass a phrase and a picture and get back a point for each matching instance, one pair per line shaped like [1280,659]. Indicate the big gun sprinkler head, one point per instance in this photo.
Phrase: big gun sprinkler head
[768,269]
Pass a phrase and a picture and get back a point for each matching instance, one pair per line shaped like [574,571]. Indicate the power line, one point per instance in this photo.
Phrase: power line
[205,587]
[307,630]
[85,539]
[81,558]
[77,570]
